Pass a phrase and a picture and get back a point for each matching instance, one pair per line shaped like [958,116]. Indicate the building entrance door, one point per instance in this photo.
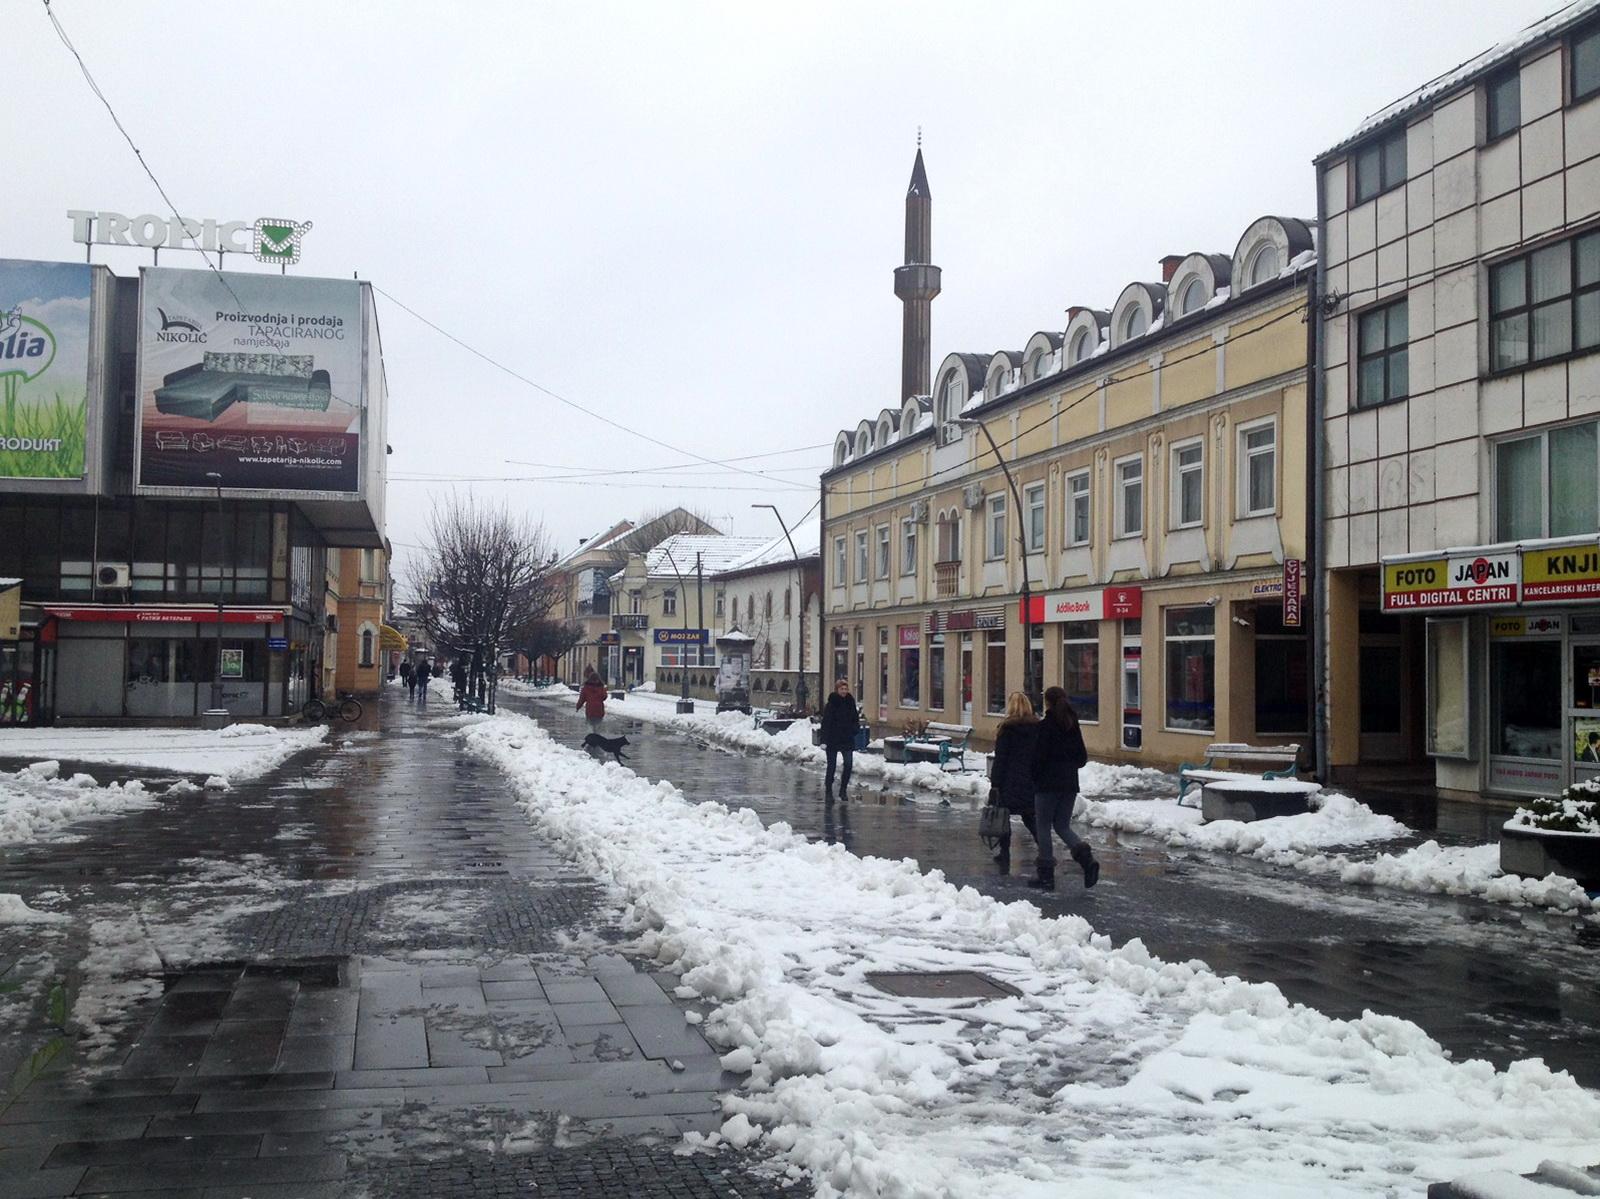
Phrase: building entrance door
[1526,730]
[966,678]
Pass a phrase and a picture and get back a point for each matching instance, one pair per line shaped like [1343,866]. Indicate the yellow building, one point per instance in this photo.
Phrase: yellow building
[1160,466]
[353,654]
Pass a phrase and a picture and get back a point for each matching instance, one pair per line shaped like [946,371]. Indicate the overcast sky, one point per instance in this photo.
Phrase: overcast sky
[686,216]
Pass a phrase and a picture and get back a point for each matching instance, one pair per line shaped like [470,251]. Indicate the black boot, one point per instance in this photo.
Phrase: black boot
[1045,880]
[1084,856]
[1004,857]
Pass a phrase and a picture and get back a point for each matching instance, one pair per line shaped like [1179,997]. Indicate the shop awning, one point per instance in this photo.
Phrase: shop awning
[164,613]
[390,638]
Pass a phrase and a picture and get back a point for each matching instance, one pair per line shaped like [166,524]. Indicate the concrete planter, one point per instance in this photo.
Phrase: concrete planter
[1255,799]
[1534,853]
[894,749]
[776,725]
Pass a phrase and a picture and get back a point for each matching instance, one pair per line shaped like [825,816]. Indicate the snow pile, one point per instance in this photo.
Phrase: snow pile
[1111,1071]
[235,753]
[1282,840]
[1576,811]
[549,691]
[14,911]
[36,801]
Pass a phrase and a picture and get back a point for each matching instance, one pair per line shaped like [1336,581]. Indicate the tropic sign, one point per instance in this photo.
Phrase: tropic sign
[44,368]
[273,240]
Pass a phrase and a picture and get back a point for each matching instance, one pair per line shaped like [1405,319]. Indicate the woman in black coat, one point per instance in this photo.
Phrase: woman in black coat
[1011,782]
[1058,754]
[840,719]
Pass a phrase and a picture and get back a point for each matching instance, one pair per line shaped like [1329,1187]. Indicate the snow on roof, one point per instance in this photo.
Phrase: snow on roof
[1472,68]
[616,531]
[807,544]
[716,553]
[9,582]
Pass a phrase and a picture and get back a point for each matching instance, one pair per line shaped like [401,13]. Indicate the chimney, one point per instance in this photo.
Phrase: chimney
[1169,266]
[1073,311]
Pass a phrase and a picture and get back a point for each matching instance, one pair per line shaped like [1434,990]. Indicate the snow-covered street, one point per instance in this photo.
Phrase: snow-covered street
[1111,1067]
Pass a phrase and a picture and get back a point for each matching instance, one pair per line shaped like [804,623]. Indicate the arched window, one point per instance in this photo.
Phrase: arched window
[1134,322]
[786,657]
[1193,296]
[768,609]
[750,603]
[367,642]
[1264,265]
[1081,346]
[736,609]
[788,605]
[1036,365]
[950,538]
[951,401]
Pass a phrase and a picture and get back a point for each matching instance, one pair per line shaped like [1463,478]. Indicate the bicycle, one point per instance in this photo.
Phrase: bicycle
[348,708]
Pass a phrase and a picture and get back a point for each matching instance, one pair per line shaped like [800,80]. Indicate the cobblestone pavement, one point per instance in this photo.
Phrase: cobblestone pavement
[362,975]
[1485,980]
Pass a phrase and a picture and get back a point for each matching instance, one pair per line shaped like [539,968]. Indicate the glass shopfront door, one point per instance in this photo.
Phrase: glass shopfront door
[1583,712]
[1526,734]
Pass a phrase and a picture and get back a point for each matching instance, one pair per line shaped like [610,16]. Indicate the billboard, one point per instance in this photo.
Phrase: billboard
[44,368]
[253,378]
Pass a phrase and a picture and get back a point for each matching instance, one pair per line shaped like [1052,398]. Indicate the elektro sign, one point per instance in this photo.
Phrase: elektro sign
[272,240]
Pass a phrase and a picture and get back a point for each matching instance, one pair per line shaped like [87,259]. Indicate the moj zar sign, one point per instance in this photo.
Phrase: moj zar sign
[273,240]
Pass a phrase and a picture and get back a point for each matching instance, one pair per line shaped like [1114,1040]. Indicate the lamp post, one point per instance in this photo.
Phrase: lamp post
[800,692]
[216,674]
[1022,544]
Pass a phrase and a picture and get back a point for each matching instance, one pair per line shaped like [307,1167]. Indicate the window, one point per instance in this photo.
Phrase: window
[1080,667]
[1130,497]
[1281,675]
[996,525]
[883,667]
[861,556]
[839,572]
[910,666]
[1585,58]
[368,638]
[883,552]
[669,602]
[995,673]
[1134,322]
[1258,470]
[766,607]
[1078,508]
[1380,165]
[1382,361]
[952,400]
[1033,514]
[841,655]
[635,603]
[1548,485]
[720,606]
[1036,365]
[1545,304]
[1264,265]
[1191,669]
[950,538]
[736,610]
[788,603]
[1188,484]
[1503,107]
[1192,297]
[908,546]
[1082,344]
[788,653]
[936,673]
[369,566]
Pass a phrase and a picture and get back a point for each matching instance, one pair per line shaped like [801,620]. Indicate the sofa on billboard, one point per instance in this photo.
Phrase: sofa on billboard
[210,387]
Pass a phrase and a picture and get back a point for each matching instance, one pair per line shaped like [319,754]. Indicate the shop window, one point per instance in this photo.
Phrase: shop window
[1078,508]
[1525,698]
[1282,693]
[1449,689]
[1383,355]
[910,669]
[1548,485]
[995,674]
[936,673]
[1080,667]
[1545,304]
[1191,669]
[883,666]
[841,655]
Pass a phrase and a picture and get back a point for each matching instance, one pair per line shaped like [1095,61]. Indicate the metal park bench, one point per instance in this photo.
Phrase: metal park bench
[1284,757]
[943,743]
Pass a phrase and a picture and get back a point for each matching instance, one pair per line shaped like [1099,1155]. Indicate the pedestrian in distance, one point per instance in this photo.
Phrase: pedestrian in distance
[458,679]
[592,699]
[840,720]
[424,672]
[409,678]
[1011,782]
[1058,755]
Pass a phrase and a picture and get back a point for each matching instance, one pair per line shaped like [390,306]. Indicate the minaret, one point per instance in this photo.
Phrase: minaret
[916,283]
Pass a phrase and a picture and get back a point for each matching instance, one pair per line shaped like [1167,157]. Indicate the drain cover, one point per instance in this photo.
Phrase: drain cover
[948,984]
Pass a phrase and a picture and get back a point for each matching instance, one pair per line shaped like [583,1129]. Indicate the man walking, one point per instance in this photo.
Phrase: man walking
[409,678]
[423,674]
[840,719]
[592,699]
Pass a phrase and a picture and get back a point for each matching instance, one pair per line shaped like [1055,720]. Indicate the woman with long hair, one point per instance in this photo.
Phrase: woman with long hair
[1058,755]
[1011,784]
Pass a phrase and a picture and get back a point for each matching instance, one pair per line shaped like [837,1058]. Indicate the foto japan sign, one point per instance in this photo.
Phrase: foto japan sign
[1479,580]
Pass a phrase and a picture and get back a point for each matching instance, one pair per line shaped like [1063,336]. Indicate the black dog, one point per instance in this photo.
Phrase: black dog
[596,744]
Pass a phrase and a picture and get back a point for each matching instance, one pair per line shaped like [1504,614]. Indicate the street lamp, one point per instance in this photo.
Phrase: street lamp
[685,704]
[800,591]
[216,673]
[1022,544]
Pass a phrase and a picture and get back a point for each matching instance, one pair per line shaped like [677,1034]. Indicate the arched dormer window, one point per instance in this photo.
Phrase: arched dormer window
[864,438]
[1035,368]
[1193,296]
[951,398]
[1081,347]
[1264,265]
[1268,247]
[910,418]
[1134,323]
[1136,311]
[842,448]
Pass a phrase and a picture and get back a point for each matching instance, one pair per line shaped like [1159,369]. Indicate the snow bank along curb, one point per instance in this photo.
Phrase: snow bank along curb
[232,754]
[1112,1068]
[1296,843]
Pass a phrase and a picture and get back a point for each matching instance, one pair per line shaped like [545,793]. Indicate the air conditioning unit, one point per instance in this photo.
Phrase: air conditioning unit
[112,575]
[972,495]
[919,511]
[949,434]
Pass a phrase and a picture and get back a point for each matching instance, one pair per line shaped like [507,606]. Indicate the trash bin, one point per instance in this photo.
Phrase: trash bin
[863,735]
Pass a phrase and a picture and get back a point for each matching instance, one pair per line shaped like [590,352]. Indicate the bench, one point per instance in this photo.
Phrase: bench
[469,703]
[758,715]
[1284,757]
[943,743]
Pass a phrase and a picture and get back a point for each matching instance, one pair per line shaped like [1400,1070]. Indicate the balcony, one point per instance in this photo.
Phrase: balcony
[946,579]
[630,620]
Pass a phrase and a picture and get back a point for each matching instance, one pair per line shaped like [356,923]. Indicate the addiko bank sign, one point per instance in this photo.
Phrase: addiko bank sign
[1552,574]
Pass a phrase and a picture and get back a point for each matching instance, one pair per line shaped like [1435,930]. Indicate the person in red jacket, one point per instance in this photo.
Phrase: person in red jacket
[592,699]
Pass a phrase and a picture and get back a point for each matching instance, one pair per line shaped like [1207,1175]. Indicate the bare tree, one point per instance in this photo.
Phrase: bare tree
[545,638]
[483,575]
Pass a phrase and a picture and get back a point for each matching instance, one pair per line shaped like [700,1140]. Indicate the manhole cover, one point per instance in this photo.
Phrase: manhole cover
[948,984]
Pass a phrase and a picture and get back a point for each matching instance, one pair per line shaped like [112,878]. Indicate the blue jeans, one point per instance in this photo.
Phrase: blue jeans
[1053,810]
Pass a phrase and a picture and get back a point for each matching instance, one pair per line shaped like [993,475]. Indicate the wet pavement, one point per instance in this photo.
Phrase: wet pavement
[1485,980]
[363,974]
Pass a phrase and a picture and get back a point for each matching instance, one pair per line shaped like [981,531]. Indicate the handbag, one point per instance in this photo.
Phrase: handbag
[994,822]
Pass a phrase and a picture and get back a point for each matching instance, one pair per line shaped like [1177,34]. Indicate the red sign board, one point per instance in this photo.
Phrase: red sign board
[1109,603]
[169,615]
[1124,603]
[1291,592]
[910,636]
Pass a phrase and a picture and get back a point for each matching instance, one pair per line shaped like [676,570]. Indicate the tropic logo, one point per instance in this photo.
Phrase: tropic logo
[178,329]
[278,241]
